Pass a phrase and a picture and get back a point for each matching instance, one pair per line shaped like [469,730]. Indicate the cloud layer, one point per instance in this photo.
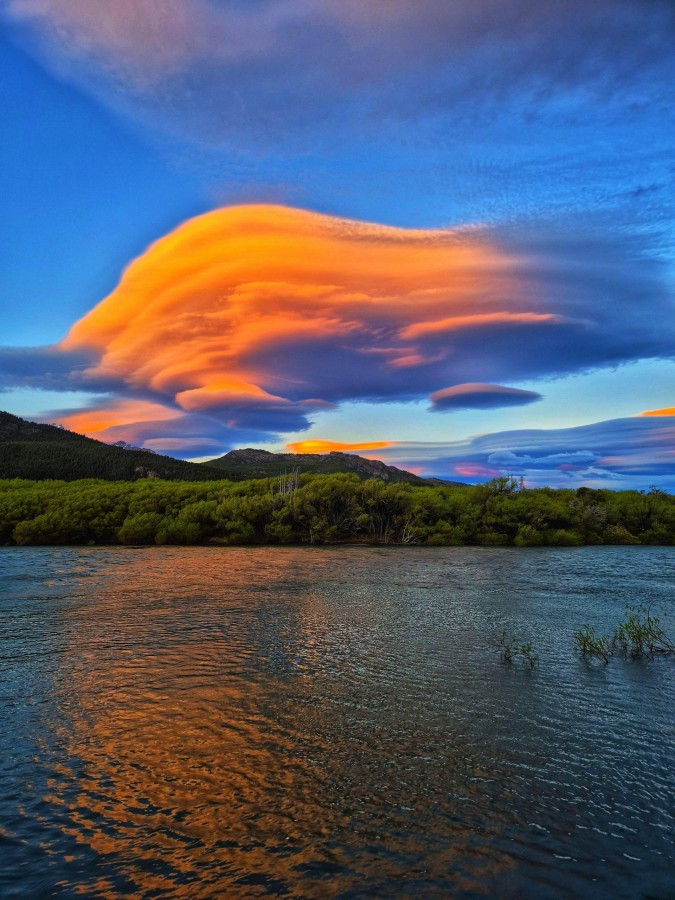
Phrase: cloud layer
[281,64]
[619,453]
[411,110]
[480,396]
[243,322]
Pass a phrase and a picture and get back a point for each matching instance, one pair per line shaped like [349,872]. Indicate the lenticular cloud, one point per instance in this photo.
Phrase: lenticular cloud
[244,321]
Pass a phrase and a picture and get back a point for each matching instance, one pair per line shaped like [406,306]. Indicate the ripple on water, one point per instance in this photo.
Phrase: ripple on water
[312,723]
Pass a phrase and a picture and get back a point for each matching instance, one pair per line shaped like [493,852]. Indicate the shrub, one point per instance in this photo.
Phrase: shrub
[512,651]
[640,635]
[140,529]
[591,644]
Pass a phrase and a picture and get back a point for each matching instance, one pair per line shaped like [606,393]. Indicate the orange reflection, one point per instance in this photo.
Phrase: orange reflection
[207,749]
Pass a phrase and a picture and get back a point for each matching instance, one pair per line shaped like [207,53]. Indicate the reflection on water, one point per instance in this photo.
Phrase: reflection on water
[329,723]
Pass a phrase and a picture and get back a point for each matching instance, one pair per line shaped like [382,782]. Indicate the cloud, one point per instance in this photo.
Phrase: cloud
[314,446]
[426,111]
[117,413]
[248,320]
[570,459]
[137,42]
[480,396]
[184,446]
[280,65]
[46,368]
[635,452]
[669,411]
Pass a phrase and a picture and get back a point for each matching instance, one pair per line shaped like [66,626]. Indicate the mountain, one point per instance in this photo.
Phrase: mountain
[38,452]
[250,463]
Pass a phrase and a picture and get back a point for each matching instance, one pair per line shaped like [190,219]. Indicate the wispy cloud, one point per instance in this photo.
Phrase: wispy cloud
[289,61]
[434,110]
[619,453]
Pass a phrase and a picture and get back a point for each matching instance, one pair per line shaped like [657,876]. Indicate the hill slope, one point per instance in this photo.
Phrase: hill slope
[38,452]
[242,464]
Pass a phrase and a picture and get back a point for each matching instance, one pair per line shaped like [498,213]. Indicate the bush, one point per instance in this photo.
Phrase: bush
[511,651]
[323,508]
[592,645]
[140,529]
[640,635]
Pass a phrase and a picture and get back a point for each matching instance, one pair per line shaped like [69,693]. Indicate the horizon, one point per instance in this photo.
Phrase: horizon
[440,240]
[329,448]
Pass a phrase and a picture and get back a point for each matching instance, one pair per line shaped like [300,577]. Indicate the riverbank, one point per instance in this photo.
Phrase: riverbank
[327,509]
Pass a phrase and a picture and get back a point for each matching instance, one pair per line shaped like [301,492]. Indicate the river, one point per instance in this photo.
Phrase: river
[307,722]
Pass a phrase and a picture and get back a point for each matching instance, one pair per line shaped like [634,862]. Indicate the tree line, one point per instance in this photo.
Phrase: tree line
[318,509]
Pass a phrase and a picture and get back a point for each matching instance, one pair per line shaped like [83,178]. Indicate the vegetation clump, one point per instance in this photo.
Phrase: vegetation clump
[639,636]
[299,508]
[592,645]
[513,651]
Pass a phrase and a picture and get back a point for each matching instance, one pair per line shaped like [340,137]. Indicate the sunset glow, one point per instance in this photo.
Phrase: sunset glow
[331,225]
[335,446]
[121,412]
[668,411]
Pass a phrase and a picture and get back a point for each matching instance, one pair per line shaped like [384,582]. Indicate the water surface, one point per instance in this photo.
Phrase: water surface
[210,722]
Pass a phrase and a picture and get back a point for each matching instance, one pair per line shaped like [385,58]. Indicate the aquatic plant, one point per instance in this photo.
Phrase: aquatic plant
[591,644]
[640,635]
[511,651]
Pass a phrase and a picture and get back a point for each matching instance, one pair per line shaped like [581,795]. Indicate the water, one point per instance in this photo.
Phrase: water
[330,723]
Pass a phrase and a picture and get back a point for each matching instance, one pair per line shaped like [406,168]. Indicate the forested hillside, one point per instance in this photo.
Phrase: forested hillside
[328,508]
[34,451]
[37,452]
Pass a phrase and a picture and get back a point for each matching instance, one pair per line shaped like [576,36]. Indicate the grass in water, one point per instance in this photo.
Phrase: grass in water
[513,651]
[592,645]
[638,636]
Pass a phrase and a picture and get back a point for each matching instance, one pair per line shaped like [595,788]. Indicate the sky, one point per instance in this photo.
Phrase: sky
[433,232]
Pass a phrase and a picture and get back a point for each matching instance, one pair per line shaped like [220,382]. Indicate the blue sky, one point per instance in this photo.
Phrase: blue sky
[538,135]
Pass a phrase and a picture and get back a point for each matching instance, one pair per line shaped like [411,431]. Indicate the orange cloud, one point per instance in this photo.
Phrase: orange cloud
[258,315]
[318,446]
[119,412]
[668,411]
[456,323]
[244,321]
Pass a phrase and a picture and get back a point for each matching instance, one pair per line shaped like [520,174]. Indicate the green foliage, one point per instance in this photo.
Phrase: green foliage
[512,650]
[640,635]
[316,509]
[592,645]
[139,529]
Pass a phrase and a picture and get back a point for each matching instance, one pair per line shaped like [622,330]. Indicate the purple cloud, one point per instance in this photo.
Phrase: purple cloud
[480,396]
[621,453]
